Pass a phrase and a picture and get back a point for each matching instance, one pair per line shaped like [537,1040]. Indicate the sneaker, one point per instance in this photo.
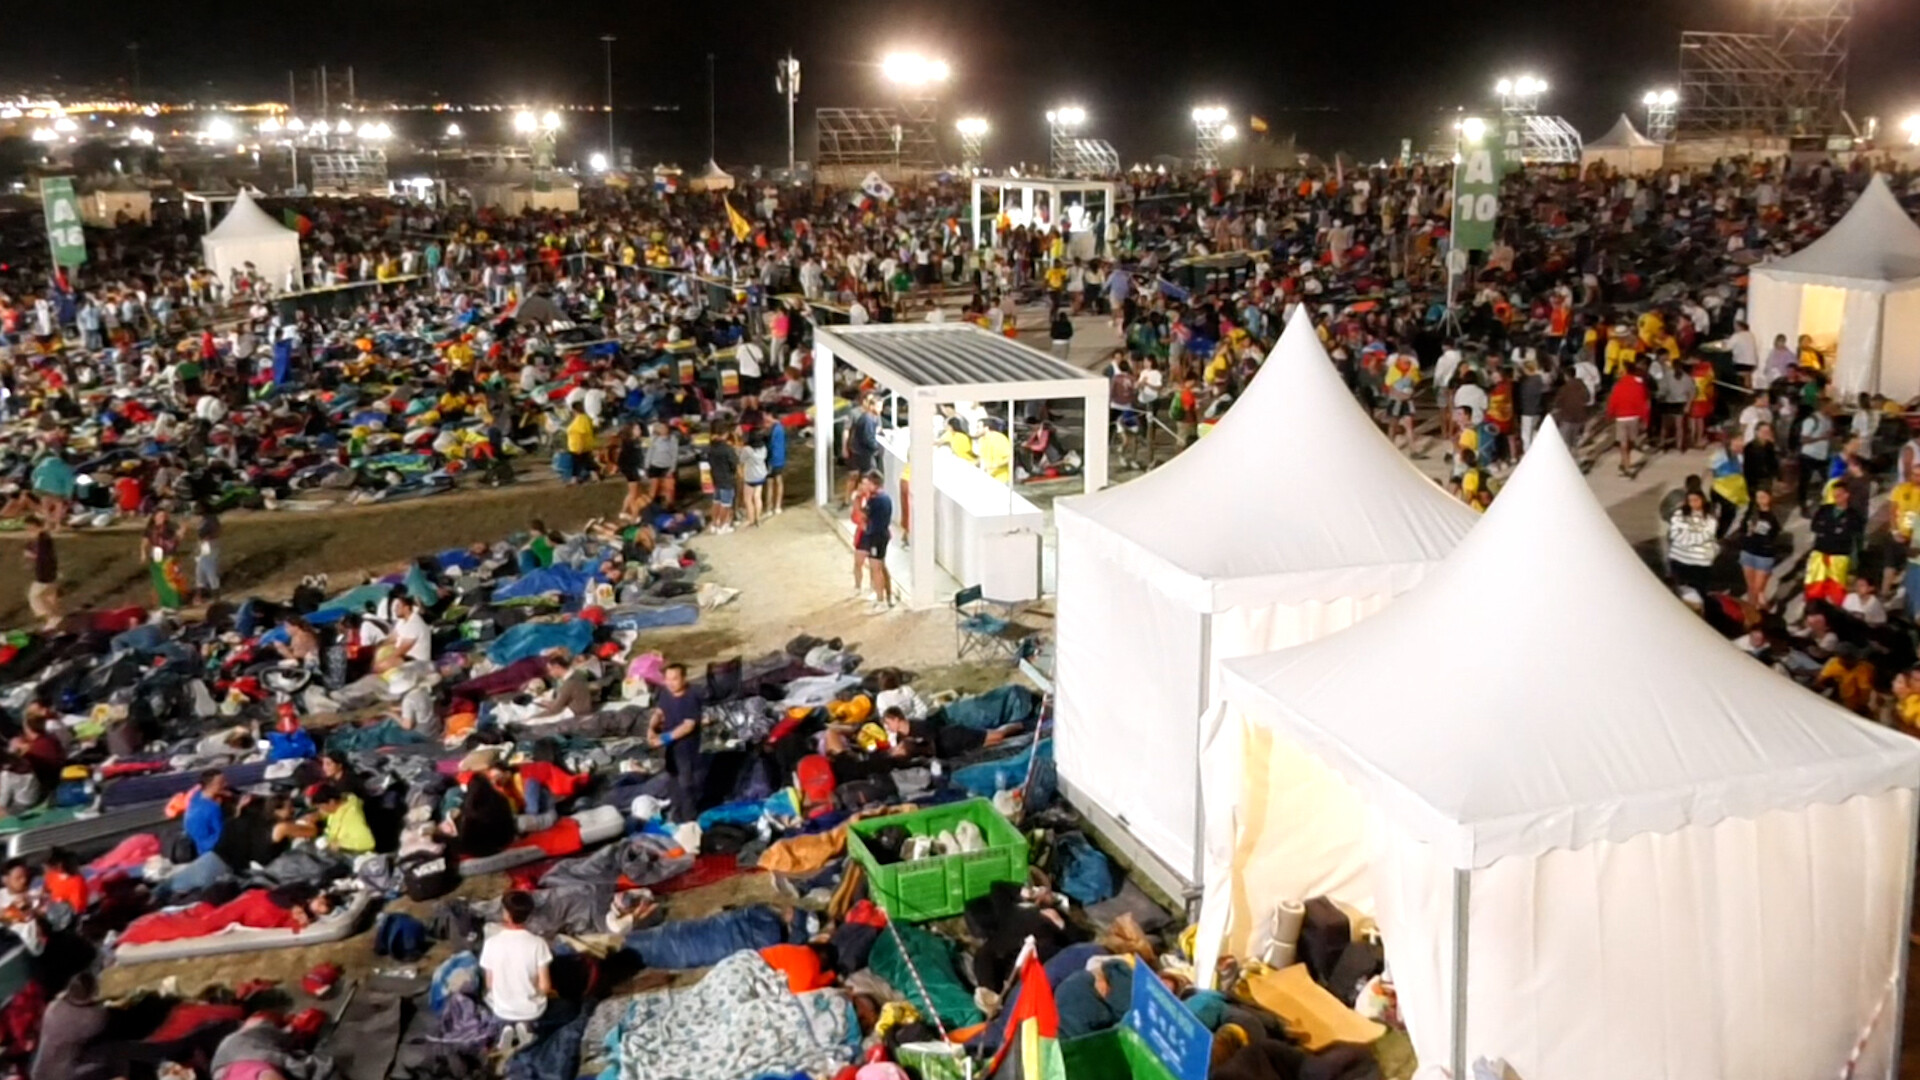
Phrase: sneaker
[969,837]
[945,844]
[878,607]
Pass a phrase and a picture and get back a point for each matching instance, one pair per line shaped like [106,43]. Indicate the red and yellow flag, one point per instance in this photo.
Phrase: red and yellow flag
[1033,1024]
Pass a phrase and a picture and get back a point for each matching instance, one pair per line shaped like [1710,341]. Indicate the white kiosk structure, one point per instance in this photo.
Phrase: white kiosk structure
[1046,201]
[967,527]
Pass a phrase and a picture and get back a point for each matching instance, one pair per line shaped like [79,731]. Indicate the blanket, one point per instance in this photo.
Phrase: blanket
[532,639]
[739,1021]
[1009,704]
[933,959]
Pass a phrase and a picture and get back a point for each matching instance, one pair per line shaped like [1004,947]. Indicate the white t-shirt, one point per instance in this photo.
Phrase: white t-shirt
[512,960]
[1870,609]
[904,698]
[749,356]
[1473,399]
[1751,418]
[413,629]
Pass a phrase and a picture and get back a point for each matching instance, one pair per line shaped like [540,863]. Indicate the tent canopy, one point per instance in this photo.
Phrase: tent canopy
[246,222]
[1549,744]
[1294,495]
[1876,242]
[1623,136]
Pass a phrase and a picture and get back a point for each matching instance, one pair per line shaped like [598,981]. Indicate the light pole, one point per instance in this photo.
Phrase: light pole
[1663,107]
[608,40]
[541,133]
[1208,122]
[786,80]
[1063,157]
[973,136]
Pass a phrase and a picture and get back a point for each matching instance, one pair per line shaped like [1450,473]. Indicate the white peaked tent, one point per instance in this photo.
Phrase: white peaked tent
[1600,841]
[1293,519]
[712,178]
[1856,292]
[249,234]
[1624,150]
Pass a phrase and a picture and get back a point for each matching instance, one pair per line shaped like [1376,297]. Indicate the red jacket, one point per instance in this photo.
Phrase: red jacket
[1629,401]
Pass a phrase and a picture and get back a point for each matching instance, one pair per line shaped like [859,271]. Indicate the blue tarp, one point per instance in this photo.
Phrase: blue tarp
[989,777]
[564,580]
[357,599]
[532,639]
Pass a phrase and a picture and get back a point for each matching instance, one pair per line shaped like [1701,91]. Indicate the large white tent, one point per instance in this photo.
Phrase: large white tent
[1293,519]
[249,234]
[1856,292]
[1599,840]
[1624,150]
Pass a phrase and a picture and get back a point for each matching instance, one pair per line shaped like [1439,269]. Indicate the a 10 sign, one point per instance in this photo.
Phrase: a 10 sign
[1476,199]
[64,232]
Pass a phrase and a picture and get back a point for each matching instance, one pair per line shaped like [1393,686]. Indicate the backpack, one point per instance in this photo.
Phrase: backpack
[400,936]
[814,775]
[429,875]
[1081,871]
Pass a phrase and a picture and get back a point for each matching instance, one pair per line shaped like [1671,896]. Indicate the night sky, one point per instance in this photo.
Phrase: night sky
[1352,76]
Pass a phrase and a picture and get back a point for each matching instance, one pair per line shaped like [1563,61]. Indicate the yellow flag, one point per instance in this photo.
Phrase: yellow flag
[742,228]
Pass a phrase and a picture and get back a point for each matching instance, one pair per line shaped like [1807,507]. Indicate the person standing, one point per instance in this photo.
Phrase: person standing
[776,464]
[1816,448]
[206,563]
[1693,544]
[723,465]
[632,463]
[662,463]
[1628,406]
[1060,332]
[874,534]
[580,445]
[159,549]
[861,449]
[675,730]
[1837,528]
[43,592]
[1760,540]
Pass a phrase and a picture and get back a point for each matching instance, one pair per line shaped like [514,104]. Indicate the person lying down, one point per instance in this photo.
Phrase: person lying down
[289,907]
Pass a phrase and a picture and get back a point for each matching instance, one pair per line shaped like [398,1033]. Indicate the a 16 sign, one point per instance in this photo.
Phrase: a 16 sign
[64,232]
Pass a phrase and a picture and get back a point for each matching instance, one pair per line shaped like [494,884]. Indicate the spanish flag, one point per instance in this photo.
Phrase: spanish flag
[1257,124]
[1033,1025]
[742,228]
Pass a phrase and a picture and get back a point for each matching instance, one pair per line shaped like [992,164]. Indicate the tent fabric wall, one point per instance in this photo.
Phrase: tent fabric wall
[1134,658]
[247,234]
[1625,160]
[1900,345]
[1281,825]
[1856,367]
[1759,948]
[1773,309]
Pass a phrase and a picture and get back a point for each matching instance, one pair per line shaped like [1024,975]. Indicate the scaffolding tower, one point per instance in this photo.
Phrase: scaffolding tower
[349,171]
[1789,79]
[883,136]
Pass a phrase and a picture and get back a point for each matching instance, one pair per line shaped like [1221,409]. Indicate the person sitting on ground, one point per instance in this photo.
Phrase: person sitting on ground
[206,815]
[484,823]
[896,695]
[572,693]
[1848,676]
[344,819]
[74,1025]
[517,965]
[19,787]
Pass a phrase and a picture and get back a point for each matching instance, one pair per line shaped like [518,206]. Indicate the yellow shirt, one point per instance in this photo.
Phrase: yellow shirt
[1620,354]
[1854,683]
[1056,279]
[1905,502]
[1910,711]
[962,445]
[580,434]
[996,454]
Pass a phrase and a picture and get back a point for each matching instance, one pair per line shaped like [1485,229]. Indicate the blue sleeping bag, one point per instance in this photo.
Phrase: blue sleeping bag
[989,777]
[648,618]
[532,639]
[1010,704]
[357,598]
[564,580]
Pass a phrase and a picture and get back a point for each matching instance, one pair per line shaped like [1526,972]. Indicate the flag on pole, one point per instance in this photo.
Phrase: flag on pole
[1033,1024]
[296,221]
[742,228]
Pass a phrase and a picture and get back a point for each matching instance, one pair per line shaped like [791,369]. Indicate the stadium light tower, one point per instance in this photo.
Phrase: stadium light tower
[919,80]
[1520,94]
[1209,123]
[1063,156]
[973,136]
[1663,108]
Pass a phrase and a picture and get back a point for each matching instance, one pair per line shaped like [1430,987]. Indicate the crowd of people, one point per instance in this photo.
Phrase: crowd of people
[502,707]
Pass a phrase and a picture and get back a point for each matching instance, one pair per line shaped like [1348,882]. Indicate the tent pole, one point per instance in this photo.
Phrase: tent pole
[1199,749]
[822,424]
[1903,952]
[1462,899]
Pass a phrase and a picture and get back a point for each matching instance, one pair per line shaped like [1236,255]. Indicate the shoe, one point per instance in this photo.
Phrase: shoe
[969,837]
[945,844]
[879,607]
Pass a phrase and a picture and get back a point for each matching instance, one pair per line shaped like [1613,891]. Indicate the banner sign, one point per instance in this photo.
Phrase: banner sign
[1175,1036]
[1512,143]
[1476,199]
[64,232]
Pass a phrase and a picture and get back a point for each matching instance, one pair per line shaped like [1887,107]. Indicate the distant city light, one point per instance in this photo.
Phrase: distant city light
[44,134]
[453,131]
[140,135]
[912,69]
[65,124]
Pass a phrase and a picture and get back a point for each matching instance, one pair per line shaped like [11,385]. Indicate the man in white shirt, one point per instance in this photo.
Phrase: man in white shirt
[411,638]
[750,356]
[1757,412]
[1745,350]
[516,964]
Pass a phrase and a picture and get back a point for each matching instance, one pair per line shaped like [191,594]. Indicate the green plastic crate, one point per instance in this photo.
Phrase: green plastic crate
[939,887]
[1114,1054]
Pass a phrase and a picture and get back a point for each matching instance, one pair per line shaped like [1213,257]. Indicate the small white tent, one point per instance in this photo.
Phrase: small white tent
[1600,841]
[1293,519]
[249,234]
[1624,150]
[712,178]
[1856,293]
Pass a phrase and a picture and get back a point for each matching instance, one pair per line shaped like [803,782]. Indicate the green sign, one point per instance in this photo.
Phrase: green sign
[1476,198]
[1512,143]
[64,233]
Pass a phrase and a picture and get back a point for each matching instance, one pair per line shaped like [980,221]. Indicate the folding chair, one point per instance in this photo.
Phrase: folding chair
[977,630]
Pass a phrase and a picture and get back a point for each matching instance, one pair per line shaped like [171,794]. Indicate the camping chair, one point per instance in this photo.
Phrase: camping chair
[977,630]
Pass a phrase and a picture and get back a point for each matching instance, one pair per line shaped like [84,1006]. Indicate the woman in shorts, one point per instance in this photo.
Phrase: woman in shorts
[1759,546]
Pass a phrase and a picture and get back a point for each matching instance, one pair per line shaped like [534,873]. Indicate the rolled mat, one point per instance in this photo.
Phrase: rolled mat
[1287,920]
